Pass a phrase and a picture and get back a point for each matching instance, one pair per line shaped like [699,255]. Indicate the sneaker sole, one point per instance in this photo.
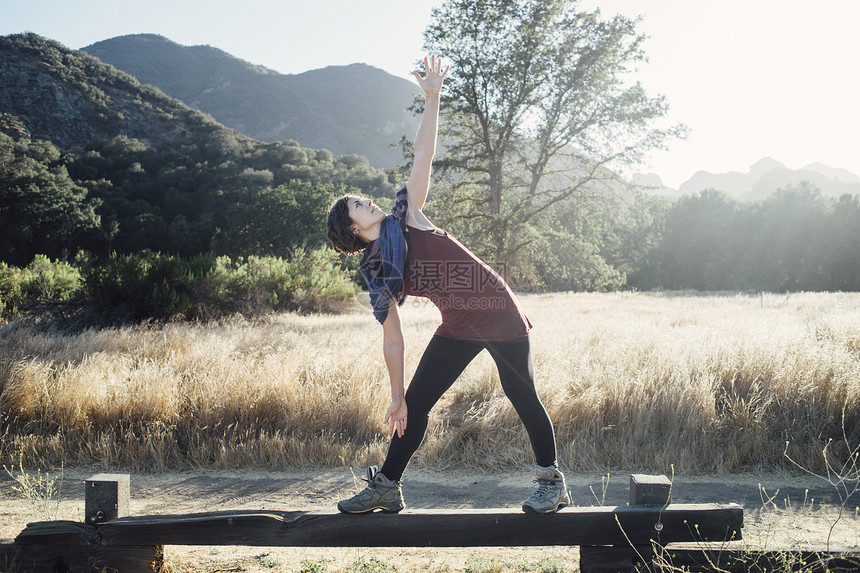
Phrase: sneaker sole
[529,509]
[369,510]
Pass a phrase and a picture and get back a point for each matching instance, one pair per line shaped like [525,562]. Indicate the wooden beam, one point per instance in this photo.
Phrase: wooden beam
[645,490]
[730,559]
[764,561]
[610,559]
[427,528]
[71,547]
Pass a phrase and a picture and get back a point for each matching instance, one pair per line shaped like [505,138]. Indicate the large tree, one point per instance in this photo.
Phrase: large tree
[539,109]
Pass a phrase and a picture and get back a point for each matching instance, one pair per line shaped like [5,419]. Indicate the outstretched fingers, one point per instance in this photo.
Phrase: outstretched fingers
[435,65]
[431,81]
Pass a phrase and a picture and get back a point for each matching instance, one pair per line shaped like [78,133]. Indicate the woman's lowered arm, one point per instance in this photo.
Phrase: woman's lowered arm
[393,349]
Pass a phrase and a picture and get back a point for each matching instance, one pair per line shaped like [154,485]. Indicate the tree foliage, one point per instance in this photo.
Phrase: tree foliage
[223,194]
[42,210]
[538,108]
[275,220]
[795,240]
[92,159]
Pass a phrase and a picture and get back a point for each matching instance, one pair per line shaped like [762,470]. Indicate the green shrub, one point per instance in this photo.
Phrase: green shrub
[51,280]
[309,281]
[10,290]
[42,281]
[147,285]
[156,286]
[317,283]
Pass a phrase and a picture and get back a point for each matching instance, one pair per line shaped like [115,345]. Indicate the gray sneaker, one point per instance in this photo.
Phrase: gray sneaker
[380,493]
[551,494]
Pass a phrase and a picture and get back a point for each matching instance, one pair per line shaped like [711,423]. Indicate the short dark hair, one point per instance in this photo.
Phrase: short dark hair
[339,228]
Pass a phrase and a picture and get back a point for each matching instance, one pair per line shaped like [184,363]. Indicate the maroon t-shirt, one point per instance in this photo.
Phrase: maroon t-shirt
[476,303]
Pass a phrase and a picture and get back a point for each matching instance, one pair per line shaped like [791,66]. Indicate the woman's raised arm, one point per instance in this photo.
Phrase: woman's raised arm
[425,139]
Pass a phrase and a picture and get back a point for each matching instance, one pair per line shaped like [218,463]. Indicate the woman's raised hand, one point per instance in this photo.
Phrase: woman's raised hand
[433,77]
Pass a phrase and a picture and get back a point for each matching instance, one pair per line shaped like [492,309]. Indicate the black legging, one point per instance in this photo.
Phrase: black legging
[443,361]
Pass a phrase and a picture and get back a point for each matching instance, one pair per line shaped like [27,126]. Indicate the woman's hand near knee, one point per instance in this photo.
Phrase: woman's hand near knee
[395,417]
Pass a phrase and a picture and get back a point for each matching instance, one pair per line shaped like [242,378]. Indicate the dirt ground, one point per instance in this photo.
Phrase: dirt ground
[779,509]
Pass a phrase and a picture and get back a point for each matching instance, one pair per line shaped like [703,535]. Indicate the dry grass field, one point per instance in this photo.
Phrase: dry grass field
[649,381]
[708,388]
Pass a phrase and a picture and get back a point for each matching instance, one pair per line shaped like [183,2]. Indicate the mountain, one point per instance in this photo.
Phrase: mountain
[765,177]
[653,184]
[73,99]
[355,109]
[92,159]
[839,174]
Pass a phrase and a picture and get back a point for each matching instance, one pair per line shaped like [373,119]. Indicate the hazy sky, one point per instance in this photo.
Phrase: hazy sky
[751,78]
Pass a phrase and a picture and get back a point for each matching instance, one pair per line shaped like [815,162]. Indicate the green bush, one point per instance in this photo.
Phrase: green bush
[147,285]
[40,282]
[317,283]
[309,281]
[10,290]
[51,280]
[156,286]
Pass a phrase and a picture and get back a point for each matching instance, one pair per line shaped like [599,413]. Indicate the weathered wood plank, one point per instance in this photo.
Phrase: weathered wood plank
[68,546]
[106,497]
[650,490]
[45,532]
[610,559]
[465,528]
[60,558]
[729,559]
[764,561]
[8,552]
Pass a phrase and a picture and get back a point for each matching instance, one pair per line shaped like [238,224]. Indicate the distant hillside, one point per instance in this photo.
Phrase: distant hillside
[73,99]
[768,175]
[355,109]
[762,180]
[92,159]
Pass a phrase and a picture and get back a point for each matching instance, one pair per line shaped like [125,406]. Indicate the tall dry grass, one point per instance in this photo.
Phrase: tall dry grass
[632,381]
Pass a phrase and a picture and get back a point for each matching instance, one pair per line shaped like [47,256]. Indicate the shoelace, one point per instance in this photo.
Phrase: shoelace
[543,486]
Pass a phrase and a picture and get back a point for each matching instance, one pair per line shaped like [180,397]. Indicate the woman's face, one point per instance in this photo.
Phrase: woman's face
[364,214]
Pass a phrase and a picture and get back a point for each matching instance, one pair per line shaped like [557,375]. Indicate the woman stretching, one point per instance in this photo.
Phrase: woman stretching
[405,254]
